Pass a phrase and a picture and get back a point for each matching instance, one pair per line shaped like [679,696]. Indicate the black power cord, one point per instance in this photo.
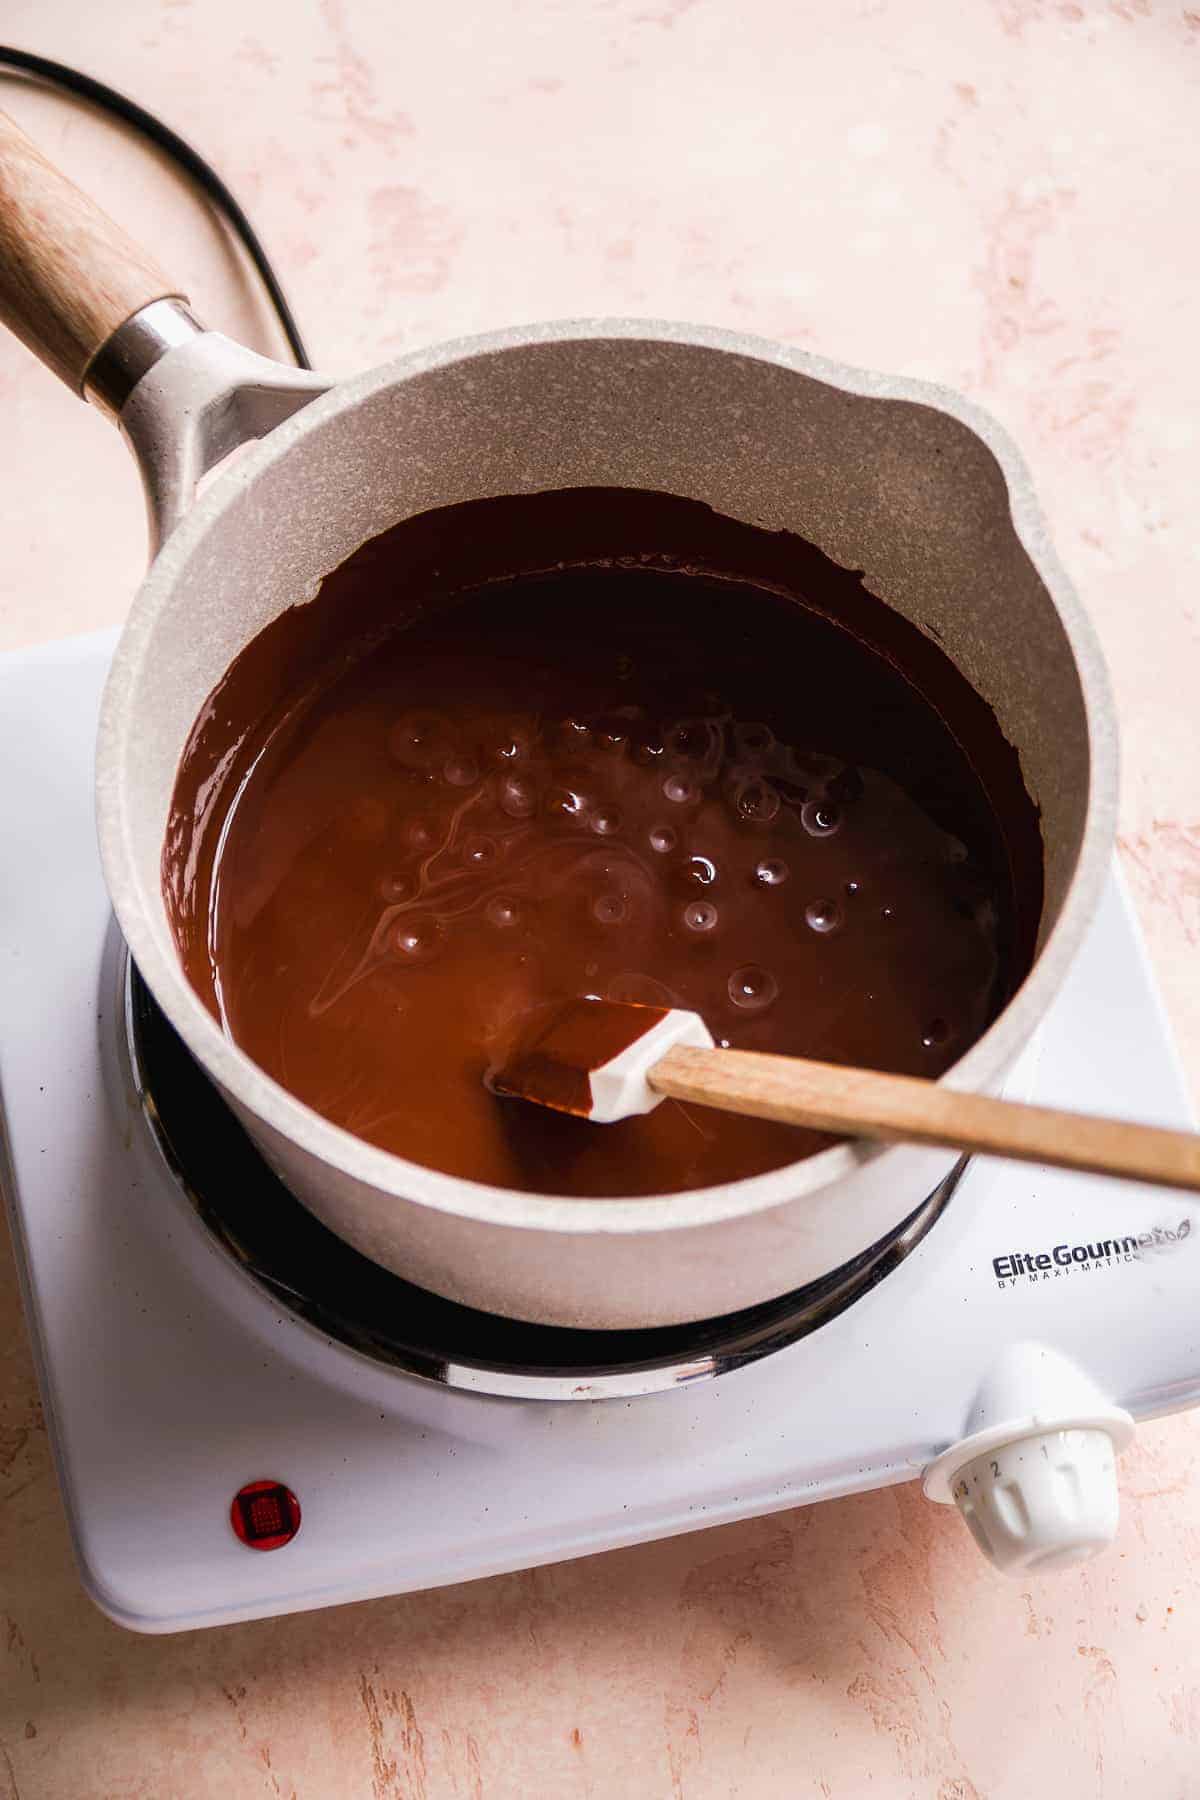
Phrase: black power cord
[73,81]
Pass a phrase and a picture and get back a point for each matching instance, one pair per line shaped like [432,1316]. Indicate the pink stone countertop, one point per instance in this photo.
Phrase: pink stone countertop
[1001,196]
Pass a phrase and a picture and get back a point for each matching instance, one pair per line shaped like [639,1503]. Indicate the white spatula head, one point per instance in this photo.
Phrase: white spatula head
[591,1057]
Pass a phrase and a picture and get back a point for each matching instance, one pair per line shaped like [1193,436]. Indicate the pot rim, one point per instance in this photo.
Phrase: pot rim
[980,1068]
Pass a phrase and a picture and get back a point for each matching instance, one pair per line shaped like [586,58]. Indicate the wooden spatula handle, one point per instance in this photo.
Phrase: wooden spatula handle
[68,275]
[862,1103]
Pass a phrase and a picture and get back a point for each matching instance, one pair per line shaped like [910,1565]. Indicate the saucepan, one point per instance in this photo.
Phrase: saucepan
[901,480]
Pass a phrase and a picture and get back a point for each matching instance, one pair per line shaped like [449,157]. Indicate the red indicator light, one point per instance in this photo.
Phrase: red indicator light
[265,1515]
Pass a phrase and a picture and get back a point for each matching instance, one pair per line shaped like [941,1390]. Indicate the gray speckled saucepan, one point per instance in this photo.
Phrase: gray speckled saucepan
[904,481]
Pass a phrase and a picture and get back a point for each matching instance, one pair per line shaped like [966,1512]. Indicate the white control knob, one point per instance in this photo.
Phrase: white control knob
[1042,1502]
[1036,1478]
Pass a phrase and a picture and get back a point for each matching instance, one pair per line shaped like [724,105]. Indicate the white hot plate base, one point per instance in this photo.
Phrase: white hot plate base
[170,1379]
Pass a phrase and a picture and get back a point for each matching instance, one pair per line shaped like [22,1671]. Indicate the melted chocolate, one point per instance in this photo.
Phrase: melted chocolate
[621,746]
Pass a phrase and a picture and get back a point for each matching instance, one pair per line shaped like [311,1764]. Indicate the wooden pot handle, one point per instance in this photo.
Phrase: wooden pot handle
[68,275]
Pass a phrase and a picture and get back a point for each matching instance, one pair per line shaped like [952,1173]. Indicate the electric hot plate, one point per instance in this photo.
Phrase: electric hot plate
[247,1419]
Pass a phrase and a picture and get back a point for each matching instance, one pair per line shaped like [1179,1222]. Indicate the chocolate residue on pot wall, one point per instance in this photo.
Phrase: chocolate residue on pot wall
[621,746]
